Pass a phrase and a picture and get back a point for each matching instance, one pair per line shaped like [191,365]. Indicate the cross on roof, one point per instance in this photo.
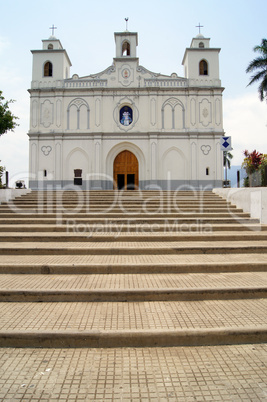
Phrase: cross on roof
[126,19]
[53,29]
[199,26]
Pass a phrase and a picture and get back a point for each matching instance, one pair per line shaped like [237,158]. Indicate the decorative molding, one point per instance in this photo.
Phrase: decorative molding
[153,173]
[205,112]
[153,114]
[97,112]
[111,69]
[58,112]
[173,103]
[141,70]
[205,149]
[194,161]
[34,113]
[33,158]
[46,150]
[78,103]
[126,75]
[47,113]
[217,111]
[58,161]
[116,113]
[193,112]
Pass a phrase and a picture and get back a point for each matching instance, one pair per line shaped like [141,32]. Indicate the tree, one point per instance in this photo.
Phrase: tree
[259,66]
[7,119]
[227,157]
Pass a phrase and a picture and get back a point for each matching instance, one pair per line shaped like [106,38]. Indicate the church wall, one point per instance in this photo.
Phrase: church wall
[160,160]
[175,111]
[175,129]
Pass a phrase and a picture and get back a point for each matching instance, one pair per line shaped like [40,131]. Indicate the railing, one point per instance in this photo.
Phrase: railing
[154,82]
[85,83]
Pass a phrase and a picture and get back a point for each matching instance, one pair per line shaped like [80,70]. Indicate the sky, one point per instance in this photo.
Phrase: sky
[165,28]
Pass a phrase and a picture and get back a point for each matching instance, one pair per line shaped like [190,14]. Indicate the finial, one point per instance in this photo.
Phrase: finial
[53,29]
[199,26]
[126,19]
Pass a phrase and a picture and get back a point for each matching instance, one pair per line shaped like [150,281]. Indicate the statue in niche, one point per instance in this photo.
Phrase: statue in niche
[126,115]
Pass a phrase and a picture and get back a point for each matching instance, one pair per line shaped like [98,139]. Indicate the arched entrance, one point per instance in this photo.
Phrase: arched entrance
[125,171]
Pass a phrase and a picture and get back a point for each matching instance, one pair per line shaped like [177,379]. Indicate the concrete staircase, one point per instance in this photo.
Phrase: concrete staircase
[122,269]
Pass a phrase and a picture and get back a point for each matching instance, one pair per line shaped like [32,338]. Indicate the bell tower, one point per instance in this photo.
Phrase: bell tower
[200,60]
[51,63]
[126,44]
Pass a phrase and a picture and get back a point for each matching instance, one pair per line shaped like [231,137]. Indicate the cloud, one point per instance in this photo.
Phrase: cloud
[245,120]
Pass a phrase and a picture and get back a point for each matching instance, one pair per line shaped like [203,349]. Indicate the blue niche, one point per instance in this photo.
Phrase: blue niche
[126,115]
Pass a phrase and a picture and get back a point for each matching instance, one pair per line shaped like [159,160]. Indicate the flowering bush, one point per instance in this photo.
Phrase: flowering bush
[252,161]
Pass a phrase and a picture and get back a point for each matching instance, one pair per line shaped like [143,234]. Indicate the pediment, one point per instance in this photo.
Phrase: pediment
[125,74]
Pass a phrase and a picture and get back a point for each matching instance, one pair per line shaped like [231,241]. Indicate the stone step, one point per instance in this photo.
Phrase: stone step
[117,201]
[132,216]
[132,338]
[132,248]
[92,236]
[128,287]
[111,195]
[132,282]
[133,287]
[127,295]
[129,221]
[119,211]
[136,324]
[117,204]
[132,264]
[106,229]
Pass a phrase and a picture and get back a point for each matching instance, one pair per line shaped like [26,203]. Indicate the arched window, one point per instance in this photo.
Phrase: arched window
[48,69]
[203,67]
[126,49]
[201,45]
[50,46]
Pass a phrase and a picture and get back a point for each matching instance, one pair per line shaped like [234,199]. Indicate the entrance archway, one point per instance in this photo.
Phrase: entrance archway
[125,171]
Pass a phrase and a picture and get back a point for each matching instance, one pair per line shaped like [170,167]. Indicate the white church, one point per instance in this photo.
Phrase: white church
[126,127]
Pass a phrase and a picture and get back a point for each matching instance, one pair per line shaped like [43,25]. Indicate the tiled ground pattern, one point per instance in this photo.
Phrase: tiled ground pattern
[133,281]
[112,260]
[224,373]
[107,316]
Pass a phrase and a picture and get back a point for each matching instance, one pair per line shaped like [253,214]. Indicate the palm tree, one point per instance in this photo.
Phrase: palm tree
[227,157]
[259,66]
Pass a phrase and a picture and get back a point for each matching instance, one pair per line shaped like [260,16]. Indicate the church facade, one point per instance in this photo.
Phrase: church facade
[126,127]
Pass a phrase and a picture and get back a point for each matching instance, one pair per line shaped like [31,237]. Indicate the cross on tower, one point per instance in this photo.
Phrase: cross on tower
[53,29]
[126,19]
[199,26]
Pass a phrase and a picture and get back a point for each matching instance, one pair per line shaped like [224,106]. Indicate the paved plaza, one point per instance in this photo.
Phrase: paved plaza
[217,373]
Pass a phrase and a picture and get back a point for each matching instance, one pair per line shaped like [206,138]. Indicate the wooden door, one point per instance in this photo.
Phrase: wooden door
[125,171]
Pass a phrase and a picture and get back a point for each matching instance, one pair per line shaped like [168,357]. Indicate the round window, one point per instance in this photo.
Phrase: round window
[126,115]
